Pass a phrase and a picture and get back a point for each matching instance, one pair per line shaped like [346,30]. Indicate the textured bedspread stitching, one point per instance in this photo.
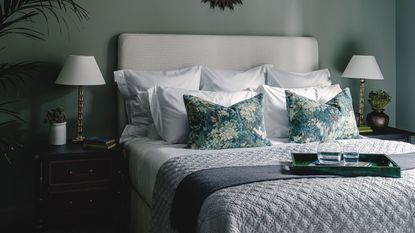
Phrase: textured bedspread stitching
[362,204]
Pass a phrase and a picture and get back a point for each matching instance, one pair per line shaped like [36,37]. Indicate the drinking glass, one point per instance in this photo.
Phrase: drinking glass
[350,153]
[329,152]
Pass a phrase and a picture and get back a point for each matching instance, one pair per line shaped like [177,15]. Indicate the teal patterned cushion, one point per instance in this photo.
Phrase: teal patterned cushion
[311,121]
[212,126]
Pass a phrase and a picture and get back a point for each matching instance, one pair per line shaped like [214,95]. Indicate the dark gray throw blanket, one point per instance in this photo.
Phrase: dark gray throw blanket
[405,161]
[197,186]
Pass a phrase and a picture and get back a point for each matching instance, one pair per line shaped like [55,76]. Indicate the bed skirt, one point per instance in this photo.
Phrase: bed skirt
[140,214]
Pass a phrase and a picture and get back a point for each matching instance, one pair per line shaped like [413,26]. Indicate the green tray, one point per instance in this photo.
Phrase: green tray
[381,165]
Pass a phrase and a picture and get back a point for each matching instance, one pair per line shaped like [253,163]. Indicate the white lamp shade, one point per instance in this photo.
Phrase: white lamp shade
[363,67]
[80,71]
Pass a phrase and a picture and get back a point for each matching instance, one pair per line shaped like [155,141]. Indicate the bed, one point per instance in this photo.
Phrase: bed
[369,204]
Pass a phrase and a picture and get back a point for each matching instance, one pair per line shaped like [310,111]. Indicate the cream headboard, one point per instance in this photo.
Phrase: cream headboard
[166,51]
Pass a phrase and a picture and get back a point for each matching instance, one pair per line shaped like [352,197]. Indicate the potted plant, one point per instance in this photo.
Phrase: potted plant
[377,119]
[57,121]
[18,18]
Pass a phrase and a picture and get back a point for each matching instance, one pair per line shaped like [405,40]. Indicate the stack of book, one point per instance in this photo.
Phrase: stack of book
[100,143]
[365,129]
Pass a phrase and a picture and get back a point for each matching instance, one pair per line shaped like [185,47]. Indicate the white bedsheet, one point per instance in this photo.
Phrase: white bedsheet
[146,157]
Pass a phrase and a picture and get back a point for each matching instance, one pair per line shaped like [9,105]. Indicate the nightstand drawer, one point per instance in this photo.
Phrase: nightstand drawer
[79,171]
[79,200]
[76,186]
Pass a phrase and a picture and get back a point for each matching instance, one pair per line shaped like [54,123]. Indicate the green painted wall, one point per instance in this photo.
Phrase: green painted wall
[342,27]
[405,48]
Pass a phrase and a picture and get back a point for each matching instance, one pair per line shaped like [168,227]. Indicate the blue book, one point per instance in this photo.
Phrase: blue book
[100,140]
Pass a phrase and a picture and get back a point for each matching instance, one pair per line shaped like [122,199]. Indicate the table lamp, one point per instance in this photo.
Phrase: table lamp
[80,71]
[363,68]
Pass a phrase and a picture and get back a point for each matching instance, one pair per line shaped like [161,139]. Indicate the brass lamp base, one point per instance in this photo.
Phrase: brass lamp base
[362,102]
[78,139]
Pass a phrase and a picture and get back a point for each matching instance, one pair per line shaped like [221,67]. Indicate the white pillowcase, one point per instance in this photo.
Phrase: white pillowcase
[130,82]
[232,80]
[275,108]
[284,79]
[325,94]
[169,113]
[133,87]
[137,109]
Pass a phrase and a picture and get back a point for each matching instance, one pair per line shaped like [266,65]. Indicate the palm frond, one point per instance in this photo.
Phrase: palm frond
[13,116]
[13,12]
[24,32]
[11,113]
[23,16]
[6,123]
[14,73]
[8,145]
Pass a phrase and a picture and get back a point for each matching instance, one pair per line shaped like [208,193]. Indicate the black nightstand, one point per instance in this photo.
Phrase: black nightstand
[390,133]
[77,185]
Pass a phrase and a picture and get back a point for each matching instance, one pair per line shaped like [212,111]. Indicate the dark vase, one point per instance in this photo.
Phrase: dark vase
[377,119]
[357,117]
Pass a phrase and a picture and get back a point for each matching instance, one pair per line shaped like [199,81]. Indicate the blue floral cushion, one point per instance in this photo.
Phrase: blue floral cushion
[212,126]
[311,121]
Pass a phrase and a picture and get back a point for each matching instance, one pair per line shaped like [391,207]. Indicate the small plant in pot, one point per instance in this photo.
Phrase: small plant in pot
[378,100]
[57,121]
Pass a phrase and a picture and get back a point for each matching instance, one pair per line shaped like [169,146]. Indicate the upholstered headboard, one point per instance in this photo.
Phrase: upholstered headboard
[166,51]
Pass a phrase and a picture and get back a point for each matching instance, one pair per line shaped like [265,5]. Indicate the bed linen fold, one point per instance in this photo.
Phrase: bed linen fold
[361,204]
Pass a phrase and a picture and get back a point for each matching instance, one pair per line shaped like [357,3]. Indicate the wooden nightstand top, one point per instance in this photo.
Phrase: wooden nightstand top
[45,150]
[390,133]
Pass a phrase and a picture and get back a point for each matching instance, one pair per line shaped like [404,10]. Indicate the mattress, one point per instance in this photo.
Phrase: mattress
[146,156]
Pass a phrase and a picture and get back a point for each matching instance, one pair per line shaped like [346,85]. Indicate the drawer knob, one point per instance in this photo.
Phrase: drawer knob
[70,172]
[70,202]
[91,171]
[91,201]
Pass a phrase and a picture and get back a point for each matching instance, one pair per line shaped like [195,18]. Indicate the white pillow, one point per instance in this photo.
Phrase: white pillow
[130,82]
[169,113]
[284,79]
[138,109]
[324,94]
[133,87]
[275,108]
[232,80]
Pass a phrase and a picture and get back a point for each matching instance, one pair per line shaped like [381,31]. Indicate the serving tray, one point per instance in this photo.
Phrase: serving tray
[380,165]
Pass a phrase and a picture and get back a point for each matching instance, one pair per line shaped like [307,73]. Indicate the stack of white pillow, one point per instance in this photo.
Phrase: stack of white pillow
[155,106]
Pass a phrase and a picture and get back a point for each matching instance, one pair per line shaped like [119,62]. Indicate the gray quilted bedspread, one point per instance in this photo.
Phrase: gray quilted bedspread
[362,204]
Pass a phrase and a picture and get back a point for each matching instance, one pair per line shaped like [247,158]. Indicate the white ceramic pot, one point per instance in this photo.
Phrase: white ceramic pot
[57,134]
